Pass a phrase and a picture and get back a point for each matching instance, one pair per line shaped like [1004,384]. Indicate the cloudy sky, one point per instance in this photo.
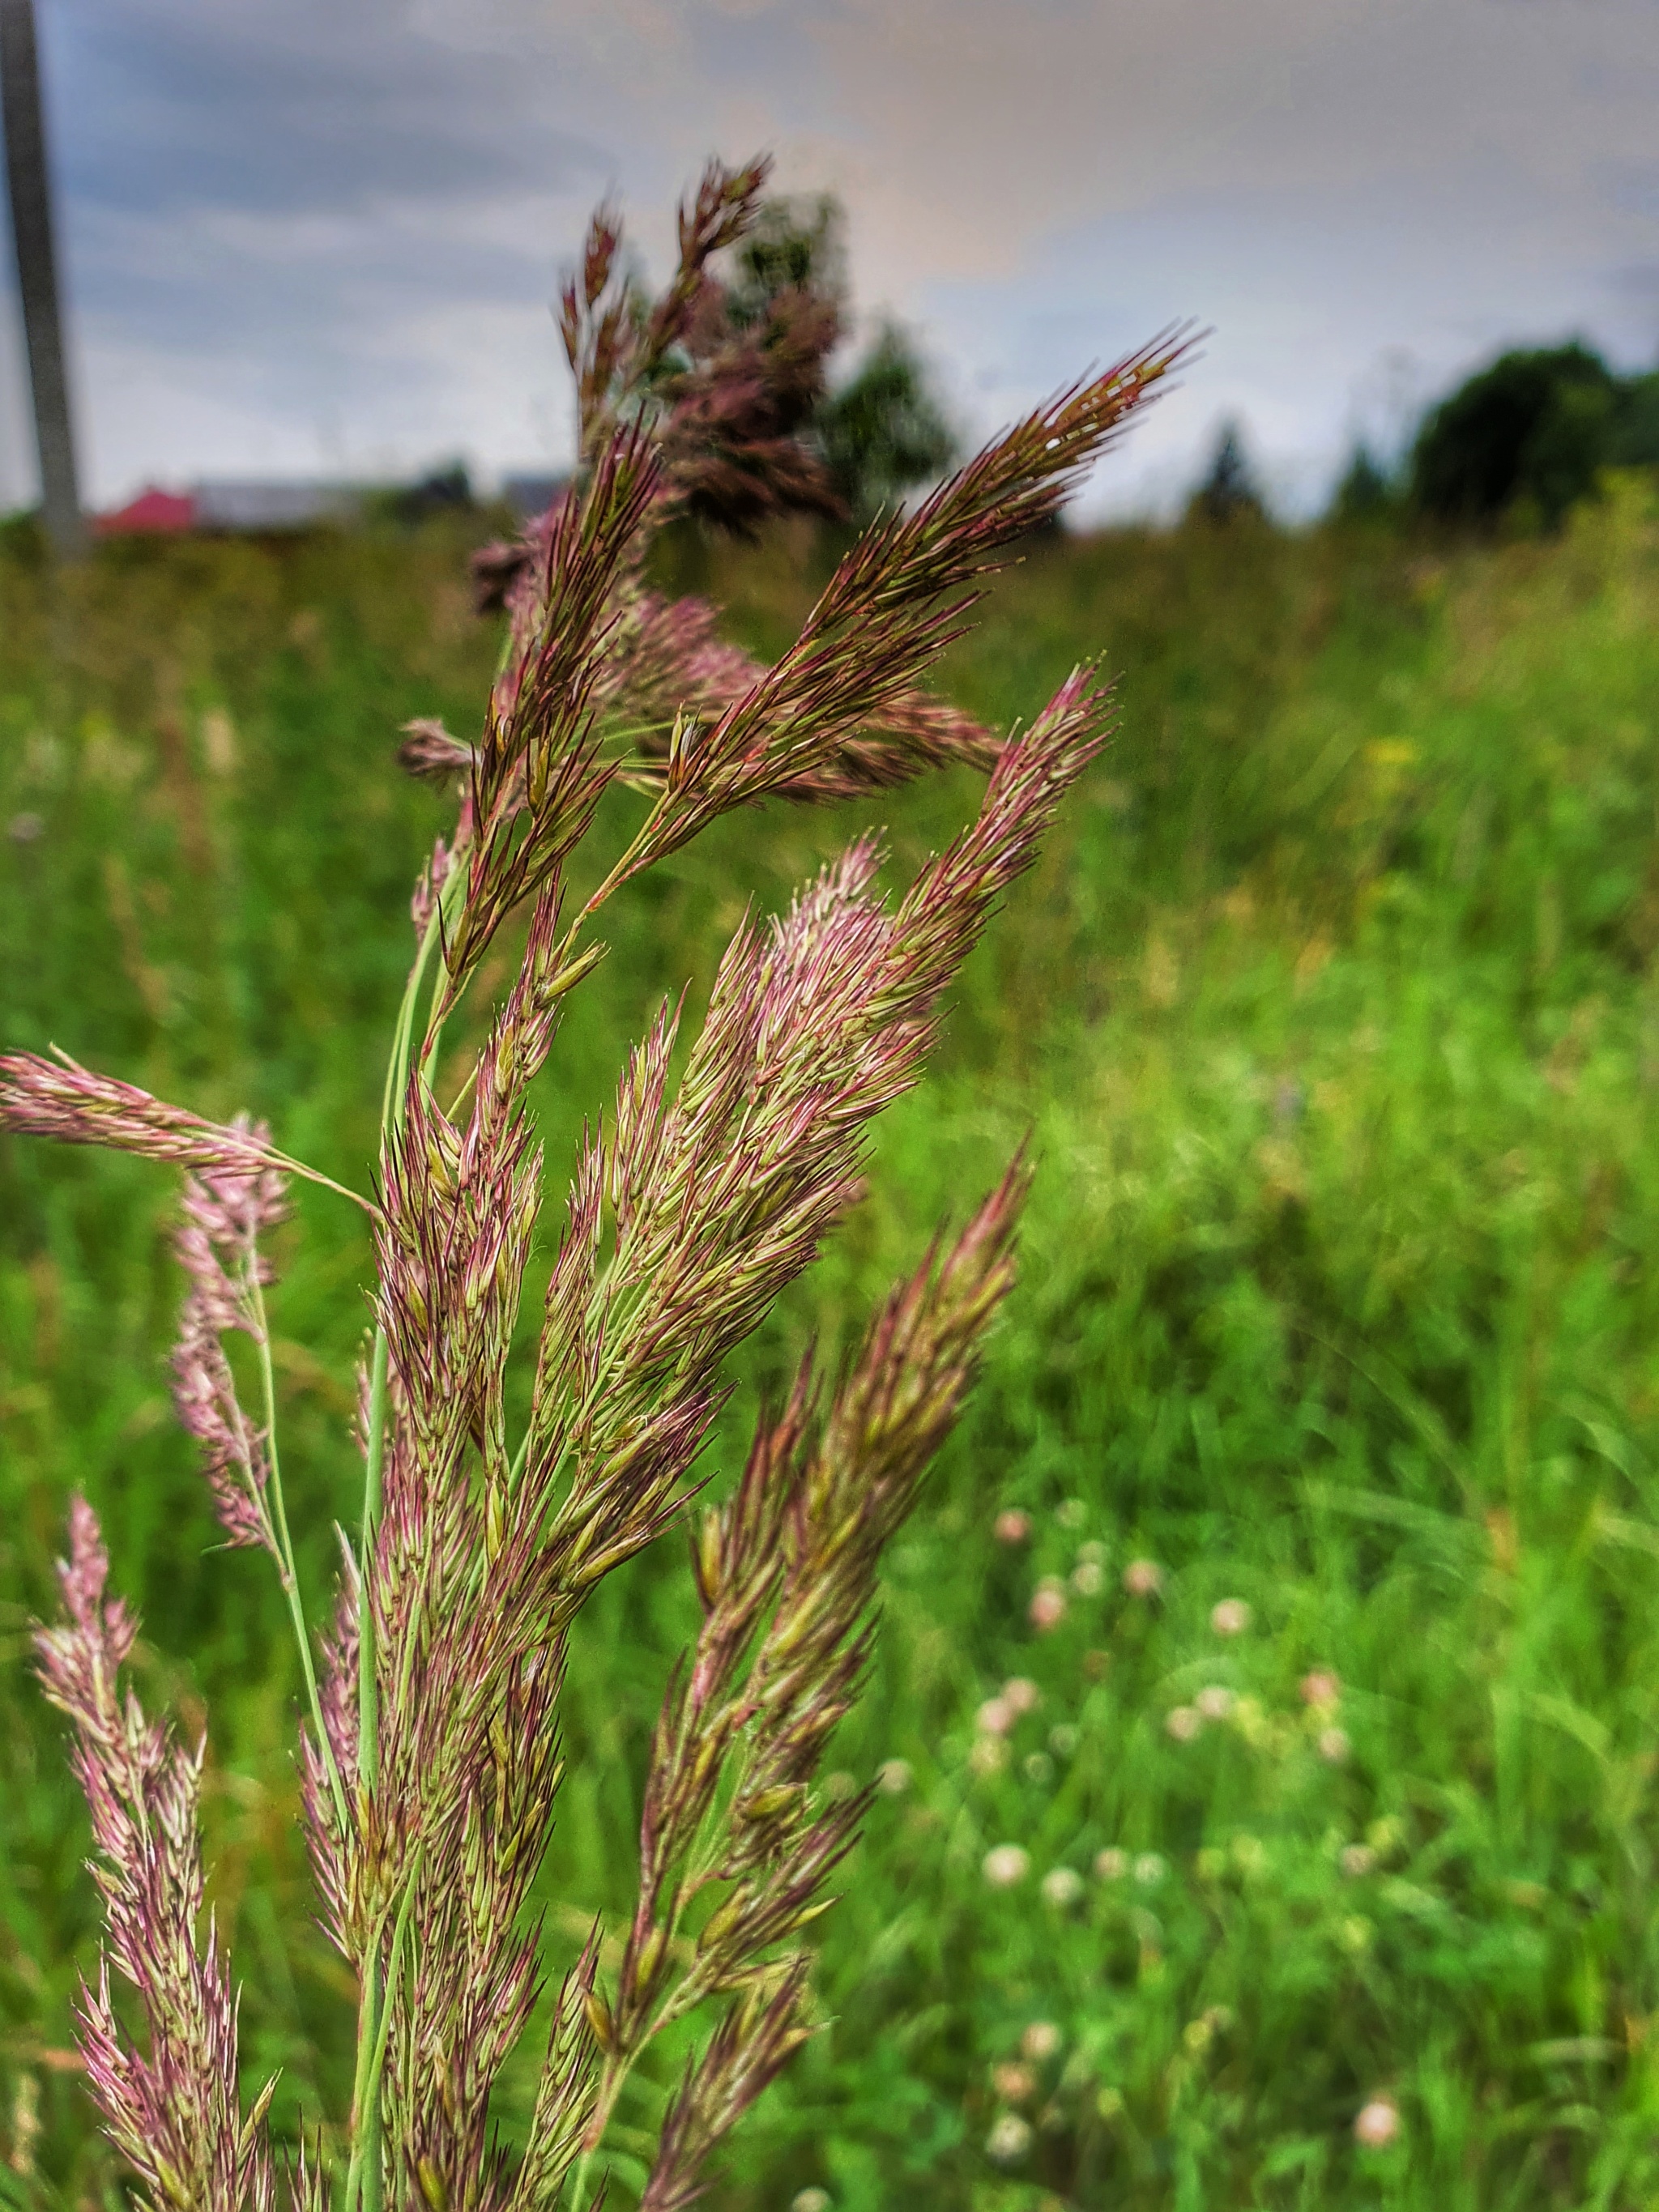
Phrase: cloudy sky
[322,235]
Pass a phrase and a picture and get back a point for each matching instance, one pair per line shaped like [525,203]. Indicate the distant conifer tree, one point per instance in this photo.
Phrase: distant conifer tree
[1229,489]
[1364,492]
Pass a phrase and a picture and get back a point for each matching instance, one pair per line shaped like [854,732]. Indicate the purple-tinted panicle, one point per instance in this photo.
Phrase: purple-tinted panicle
[170,2108]
[226,1210]
[894,604]
[671,666]
[722,1197]
[786,1574]
[568,2089]
[756,2038]
[432,1759]
[233,1458]
[57,1097]
[618,344]
[428,750]
[536,775]
[331,1849]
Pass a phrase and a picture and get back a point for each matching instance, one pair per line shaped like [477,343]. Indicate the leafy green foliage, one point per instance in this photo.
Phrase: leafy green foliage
[1334,1017]
[796,244]
[1527,436]
[883,432]
[881,428]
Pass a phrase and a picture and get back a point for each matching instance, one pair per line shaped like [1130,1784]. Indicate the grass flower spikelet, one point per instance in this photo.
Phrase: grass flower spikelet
[431,1757]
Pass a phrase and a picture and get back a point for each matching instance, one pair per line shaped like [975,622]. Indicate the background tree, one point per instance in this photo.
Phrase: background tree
[1635,441]
[882,431]
[1364,492]
[1530,432]
[799,244]
[1229,489]
[879,431]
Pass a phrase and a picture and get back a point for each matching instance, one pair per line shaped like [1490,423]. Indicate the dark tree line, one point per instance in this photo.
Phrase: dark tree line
[1532,432]
[1519,443]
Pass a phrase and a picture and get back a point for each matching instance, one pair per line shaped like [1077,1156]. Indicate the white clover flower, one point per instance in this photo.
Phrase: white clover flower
[1150,1869]
[988,1756]
[995,1716]
[1231,1617]
[1378,2122]
[1071,1513]
[1061,1887]
[1111,1864]
[1358,1860]
[1014,2083]
[1047,1607]
[1143,1578]
[1182,1723]
[1009,2139]
[1088,1578]
[893,1776]
[1041,2040]
[1006,1865]
[1011,1526]
[1335,1746]
[810,2200]
[1021,1694]
[1214,1702]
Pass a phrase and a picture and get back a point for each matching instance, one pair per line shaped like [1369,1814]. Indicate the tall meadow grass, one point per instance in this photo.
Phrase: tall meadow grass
[1331,1011]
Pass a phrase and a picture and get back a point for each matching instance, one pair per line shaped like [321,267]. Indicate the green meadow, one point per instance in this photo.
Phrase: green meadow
[1332,1017]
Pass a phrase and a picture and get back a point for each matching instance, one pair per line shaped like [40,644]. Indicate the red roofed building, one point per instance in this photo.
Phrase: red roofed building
[154,513]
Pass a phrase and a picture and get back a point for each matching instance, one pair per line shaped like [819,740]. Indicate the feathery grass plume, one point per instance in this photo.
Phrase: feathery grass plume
[747,1717]
[728,399]
[430,1752]
[226,1210]
[171,2112]
[58,1097]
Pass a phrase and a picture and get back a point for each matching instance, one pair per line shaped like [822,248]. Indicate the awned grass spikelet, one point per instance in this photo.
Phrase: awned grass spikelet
[431,1749]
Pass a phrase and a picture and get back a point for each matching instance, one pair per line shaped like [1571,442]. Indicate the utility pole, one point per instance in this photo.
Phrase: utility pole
[26,181]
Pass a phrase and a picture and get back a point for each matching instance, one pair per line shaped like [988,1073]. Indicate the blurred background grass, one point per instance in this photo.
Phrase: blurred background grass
[1331,1010]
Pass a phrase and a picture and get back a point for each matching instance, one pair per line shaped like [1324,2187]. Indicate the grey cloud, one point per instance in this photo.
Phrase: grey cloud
[159,108]
[355,208]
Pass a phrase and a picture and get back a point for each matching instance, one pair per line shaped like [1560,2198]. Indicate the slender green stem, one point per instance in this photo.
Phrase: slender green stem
[368,2157]
[368,2036]
[365,2178]
[394,1965]
[370,2134]
[397,1068]
[287,1568]
[291,1166]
